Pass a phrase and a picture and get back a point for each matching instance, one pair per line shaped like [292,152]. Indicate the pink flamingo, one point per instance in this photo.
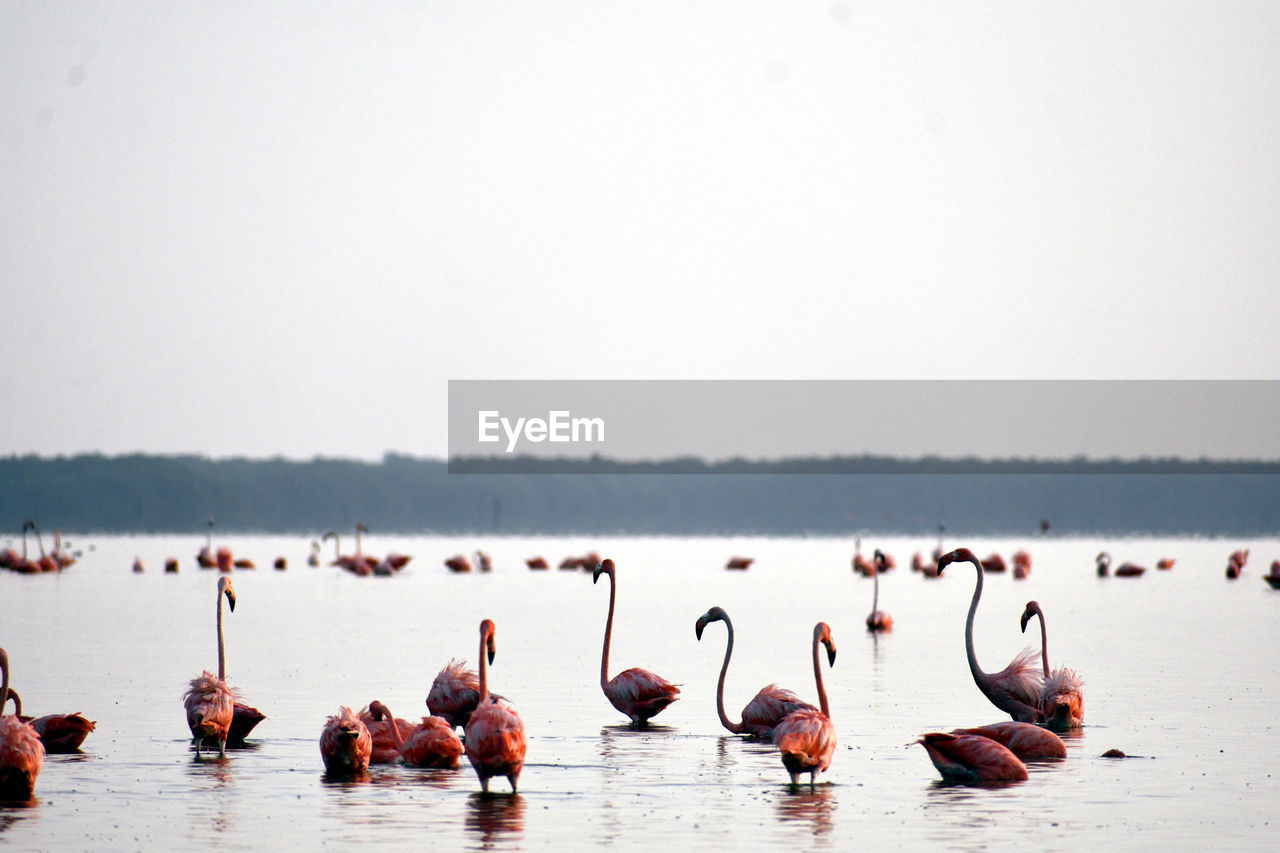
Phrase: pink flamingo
[1062,697]
[59,553]
[636,692]
[1164,563]
[1235,563]
[224,561]
[537,564]
[431,743]
[313,558]
[21,753]
[496,741]
[47,562]
[994,563]
[454,693]
[384,732]
[972,759]
[1103,562]
[458,563]
[208,701]
[861,564]
[806,738]
[1021,565]
[1025,740]
[59,733]
[878,620]
[769,706]
[345,744]
[204,557]
[1129,570]
[739,563]
[1273,579]
[1016,688]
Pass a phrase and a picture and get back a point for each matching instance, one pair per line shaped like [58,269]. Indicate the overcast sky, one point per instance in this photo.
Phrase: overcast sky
[235,230]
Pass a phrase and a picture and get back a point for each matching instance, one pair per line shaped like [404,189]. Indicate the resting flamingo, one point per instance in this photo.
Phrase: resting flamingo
[739,563]
[59,733]
[431,743]
[205,555]
[878,620]
[1016,688]
[21,753]
[769,706]
[994,563]
[454,693]
[345,744]
[636,692]
[386,738]
[1129,570]
[806,738]
[208,701]
[1062,697]
[1273,579]
[1025,740]
[971,759]
[537,563]
[496,741]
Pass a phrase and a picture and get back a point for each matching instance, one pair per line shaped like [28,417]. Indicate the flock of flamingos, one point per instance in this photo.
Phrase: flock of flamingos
[1038,700]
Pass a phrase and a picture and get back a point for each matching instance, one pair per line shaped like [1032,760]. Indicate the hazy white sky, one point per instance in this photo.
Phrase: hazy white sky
[235,230]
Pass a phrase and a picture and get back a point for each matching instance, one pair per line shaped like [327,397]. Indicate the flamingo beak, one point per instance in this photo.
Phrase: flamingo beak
[697,628]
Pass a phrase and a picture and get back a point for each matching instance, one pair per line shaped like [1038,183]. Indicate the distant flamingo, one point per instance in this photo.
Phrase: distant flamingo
[224,560]
[345,744]
[1016,688]
[171,565]
[537,563]
[208,701]
[138,566]
[1021,565]
[313,559]
[431,743]
[59,733]
[25,565]
[883,562]
[878,620]
[1235,563]
[926,567]
[454,693]
[1025,740]
[338,558]
[21,753]
[739,563]
[483,562]
[1164,563]
[770,705]
[205,555]
[1103,561]
[1274,578]
[861,564]
[47,562]
[281,563]
[386,737]
[636,692]
[807,738]
[244,563]
[58,553]
[994,563]
[1062,697]
[1129,570]
[496,741]
[972,759]
[458,563]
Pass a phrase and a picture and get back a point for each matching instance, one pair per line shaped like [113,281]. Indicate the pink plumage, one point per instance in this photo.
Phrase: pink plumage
[21,753]
[806,738]
[210,708]
[496,741]
[1025,740]
[972,759]
[454,693]
[345,744]
[637,693]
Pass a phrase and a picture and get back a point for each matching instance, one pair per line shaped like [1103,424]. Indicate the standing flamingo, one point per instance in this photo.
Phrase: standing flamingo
[971,759]
[496,741]
[878,620]
[345,744]
[636,692]
[431,743]
[47,562]
[204,557]
[313,559]
[861,564]
[1025,740]
[209,703]
[59,553]
[1015,689]
[1061,698]
[21,753]
[769,706]
[1103,562]
[807,738]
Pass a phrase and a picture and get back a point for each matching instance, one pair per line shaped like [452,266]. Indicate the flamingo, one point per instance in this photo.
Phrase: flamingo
[1235,563]
[47,562]
[21,752]
[1274,578]
[806,738]
[171,565]
[537,564]
[384,732]
[338,558]
[483,562]
[205,555]
[454,693]
[345,744]
[64,559]
[994,563]
[739,563]
[496,741]
[224,561]
[59,733]
[313,559]
[878,620]
[971,759]
[431,743]
[769,706]
[636,692]
[1164,564]
[861,564]
[1062,697]
[138,566]
[1016,688]
[1025,740]
[1103,561]
[209,703]
[458,563]
[1129,570]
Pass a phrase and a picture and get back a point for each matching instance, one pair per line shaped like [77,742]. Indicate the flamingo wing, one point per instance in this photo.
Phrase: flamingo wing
[640,694]
[1025,740]
[454,692]
[345,744]
[433,743]
[807,741]
[62,732]
[1016,688]
[972,758]
[210,707]
[770,707]
[21,758]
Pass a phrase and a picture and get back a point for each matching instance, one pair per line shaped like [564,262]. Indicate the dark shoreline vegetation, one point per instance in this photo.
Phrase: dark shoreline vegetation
[837,496]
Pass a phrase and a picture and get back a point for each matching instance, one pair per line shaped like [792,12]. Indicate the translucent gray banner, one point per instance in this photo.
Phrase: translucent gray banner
[795,425]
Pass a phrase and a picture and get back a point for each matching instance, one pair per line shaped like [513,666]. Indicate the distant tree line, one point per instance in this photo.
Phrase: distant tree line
[172,494]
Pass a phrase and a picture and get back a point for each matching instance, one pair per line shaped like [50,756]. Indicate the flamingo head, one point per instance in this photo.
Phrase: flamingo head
[1032,609]
[487,631]
[225,588]
[378,710]
[715,614]
[959,555]
[822,633]
[604,568]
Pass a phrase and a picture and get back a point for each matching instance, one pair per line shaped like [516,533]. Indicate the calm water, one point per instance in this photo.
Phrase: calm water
[1181,671]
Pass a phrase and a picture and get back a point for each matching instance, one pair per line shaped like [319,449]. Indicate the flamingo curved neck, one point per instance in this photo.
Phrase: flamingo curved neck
[391,720]
[222,658]
[978,675]
[736,728]
[4,680]
[1044,642]
[608,632]
[875,597]
[817,676]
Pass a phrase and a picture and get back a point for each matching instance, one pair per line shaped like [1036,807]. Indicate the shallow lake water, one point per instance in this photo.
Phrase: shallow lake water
[1181,670]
